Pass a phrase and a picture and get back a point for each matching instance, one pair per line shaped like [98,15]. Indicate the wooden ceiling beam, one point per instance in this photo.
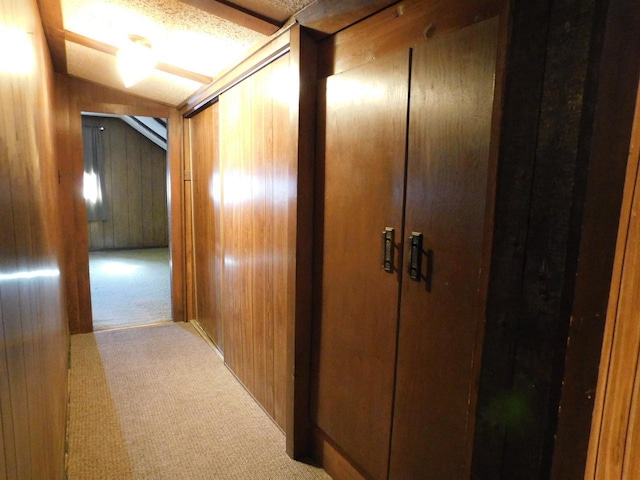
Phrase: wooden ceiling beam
[237,14]
[51,18]
[111,50]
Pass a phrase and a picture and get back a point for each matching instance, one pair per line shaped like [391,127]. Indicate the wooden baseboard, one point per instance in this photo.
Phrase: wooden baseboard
[332,460]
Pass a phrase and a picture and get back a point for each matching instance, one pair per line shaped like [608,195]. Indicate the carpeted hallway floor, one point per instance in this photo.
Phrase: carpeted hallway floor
[130,287]
[156,402]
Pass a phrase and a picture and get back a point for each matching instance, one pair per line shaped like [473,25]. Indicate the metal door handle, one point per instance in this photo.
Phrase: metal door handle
[415,256]
[387,250]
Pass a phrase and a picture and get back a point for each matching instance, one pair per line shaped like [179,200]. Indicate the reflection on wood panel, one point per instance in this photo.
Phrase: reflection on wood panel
[33,327]
[255,161]
[355,341]
[207,225]
[135,176]
[449,138]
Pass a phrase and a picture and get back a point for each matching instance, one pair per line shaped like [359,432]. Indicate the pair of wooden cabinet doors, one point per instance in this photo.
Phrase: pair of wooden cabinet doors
[405,143]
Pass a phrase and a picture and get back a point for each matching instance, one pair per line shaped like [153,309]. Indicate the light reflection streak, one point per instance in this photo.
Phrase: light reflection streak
[29,274]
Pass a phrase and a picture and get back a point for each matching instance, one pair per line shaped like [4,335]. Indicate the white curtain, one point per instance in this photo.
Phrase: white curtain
[94,182]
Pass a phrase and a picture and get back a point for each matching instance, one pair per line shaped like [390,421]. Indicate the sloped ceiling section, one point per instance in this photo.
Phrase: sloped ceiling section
[191,44]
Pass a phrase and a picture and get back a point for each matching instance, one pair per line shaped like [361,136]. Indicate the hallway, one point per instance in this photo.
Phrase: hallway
[157,402]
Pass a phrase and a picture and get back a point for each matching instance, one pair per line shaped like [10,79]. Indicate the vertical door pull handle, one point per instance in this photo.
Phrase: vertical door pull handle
[415,256]
[387,250]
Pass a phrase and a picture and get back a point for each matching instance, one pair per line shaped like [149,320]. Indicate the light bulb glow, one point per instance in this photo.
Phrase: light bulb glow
[135,62]
[16,54]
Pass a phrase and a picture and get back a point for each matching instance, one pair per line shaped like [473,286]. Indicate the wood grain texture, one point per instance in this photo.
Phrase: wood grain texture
[74,96]
[614,434]
[255,172]
[51,17]
[300,232]
[450,118]
[398,27]
[34,338]
[361,189]
[135,173]
[609,150]
[207,223]
[326,17]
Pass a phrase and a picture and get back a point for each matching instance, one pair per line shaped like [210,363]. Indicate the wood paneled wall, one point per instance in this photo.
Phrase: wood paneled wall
[614,448]
[136,184]
[256,157]
[74,96]
[207,222]
[34,339]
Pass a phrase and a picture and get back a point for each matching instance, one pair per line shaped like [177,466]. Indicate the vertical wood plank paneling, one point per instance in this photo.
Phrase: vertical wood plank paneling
[146,193]
[279,235]
[134,188]
[135,178]
[205,191]
[614,442]
[255,203]
[33,327]
[107,228]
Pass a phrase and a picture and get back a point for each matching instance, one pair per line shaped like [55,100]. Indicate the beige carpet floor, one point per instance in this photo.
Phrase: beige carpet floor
[130,287]
[156,402]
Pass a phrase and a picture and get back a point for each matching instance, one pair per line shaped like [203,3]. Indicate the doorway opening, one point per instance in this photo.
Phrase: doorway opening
[125,189]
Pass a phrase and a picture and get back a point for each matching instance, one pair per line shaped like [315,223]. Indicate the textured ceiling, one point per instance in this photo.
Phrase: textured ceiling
[181,35]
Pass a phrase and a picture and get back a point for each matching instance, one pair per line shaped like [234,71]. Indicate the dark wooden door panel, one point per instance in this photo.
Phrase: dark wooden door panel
[449,136]
[365,123]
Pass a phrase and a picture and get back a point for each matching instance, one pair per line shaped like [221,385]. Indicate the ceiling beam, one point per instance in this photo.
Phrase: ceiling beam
[51,18]
[111,50]
[237,14]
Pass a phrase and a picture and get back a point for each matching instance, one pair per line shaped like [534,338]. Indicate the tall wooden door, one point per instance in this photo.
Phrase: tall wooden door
[451,105]
[364,151]
[257,165]
[207,231]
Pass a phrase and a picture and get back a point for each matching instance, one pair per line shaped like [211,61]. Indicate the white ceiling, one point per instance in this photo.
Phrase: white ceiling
[182,36]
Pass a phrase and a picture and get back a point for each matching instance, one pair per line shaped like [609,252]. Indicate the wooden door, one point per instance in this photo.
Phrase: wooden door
[207,231]
[257,158]
[363,182]
[450,115]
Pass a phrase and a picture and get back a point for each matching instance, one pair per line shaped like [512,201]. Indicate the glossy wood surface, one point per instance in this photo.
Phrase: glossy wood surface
[614,442]
[51,18]
[449,139]
[136,189]
[303,93]
[34,337]
[74,96]
[325,17]
[255,159]
[207,223]
[398,27]
[361,191]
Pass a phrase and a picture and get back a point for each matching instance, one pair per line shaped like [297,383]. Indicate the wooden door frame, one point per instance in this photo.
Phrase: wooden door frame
[70,153]
[169,175]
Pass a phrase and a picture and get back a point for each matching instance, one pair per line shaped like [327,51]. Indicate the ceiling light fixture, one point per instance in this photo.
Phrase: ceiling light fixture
[136,60]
